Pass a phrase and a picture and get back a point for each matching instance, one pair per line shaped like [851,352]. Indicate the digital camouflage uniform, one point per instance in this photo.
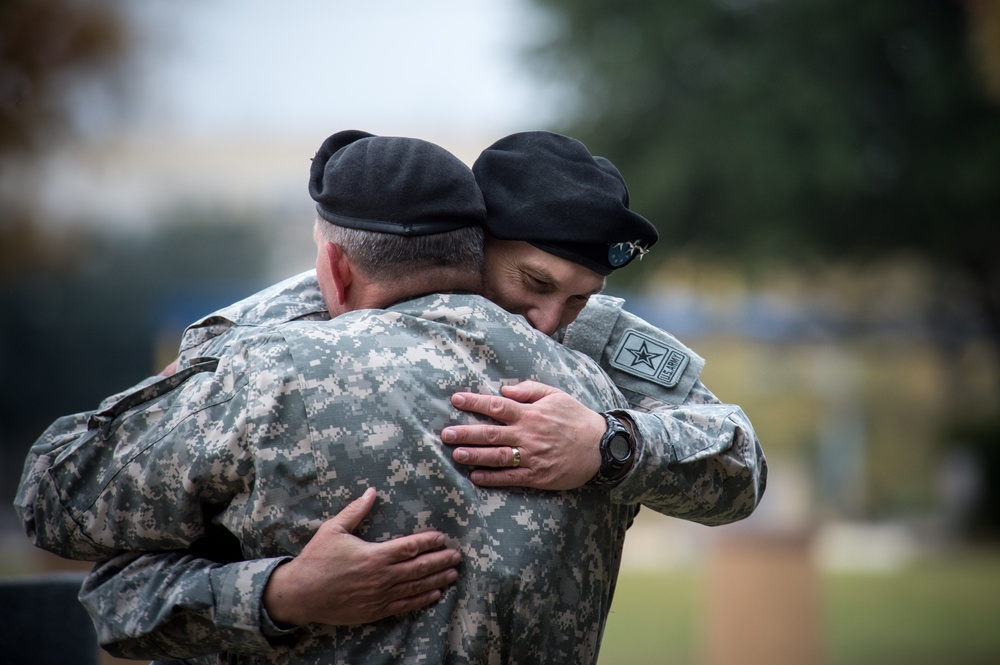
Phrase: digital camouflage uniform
[697,459]
[296,421]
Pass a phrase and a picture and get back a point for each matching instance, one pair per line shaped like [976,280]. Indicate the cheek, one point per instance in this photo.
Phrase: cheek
[518,303]
[506,296]
[570,313]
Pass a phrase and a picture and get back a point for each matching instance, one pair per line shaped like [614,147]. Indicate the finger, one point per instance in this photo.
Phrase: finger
[421,586]
[424,570]
[421,574]
[405,548]
[499,456]
[412,604]
[528,392]
[519,477]
[480,435]
[350,517]
[499,408]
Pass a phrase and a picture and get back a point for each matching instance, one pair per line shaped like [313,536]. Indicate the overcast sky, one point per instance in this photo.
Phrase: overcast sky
[316,66]
[228,99]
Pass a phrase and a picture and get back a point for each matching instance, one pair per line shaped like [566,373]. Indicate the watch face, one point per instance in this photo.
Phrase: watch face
[619,447]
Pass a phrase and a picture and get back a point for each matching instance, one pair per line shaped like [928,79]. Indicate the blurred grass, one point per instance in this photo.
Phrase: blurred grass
[938,610]
[654,620]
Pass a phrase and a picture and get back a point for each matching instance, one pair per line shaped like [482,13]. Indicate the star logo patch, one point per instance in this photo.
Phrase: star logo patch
[643,356]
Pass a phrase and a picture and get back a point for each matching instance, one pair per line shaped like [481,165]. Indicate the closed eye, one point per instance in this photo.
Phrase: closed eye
[538,285]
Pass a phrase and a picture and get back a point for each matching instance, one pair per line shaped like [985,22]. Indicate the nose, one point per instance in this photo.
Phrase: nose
[545,319]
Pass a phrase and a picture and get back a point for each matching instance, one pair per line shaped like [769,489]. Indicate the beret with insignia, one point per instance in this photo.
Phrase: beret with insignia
[547,189]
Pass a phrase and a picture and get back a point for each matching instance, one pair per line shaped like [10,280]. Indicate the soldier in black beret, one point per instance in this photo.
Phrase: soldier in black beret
[557,223]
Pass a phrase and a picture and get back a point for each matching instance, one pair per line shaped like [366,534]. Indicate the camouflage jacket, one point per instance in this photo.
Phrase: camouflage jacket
[701,460]
[698,459]
[701,457]
[294,421]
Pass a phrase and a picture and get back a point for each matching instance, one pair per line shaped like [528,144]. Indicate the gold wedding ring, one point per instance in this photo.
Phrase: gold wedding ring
[517,457]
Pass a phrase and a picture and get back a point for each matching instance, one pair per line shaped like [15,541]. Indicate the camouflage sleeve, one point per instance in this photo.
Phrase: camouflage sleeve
[69,455]
[58,436]
[73,435]
[175,605]
[297,298]
[698,459]
[152,470]
[202,598]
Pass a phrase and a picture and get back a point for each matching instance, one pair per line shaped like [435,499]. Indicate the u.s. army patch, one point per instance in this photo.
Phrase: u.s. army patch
[645,357]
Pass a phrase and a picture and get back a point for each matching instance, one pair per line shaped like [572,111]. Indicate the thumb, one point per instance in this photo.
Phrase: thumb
[350,517]
[528,392]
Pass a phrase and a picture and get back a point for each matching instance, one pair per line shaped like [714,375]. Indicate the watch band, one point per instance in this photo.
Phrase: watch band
[614,466]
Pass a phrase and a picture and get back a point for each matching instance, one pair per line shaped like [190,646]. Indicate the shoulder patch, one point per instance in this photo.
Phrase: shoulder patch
[643,356]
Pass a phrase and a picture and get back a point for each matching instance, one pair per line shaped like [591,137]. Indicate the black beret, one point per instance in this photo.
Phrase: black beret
[392,184]
[548,190]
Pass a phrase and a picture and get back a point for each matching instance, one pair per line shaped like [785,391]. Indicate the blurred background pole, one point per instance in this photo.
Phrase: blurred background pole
[840,455]
[763,601]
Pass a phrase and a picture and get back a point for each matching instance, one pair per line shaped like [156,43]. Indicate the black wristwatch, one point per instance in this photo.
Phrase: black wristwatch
[617,449]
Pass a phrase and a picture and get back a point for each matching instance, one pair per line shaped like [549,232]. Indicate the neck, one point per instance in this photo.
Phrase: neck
[376,295]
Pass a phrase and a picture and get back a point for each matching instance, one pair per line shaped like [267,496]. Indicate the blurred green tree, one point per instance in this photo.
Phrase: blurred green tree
[50,51]
[757,130]
[47,49]
[750,129]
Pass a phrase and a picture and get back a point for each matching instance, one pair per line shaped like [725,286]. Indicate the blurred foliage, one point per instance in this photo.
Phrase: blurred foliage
[48,49]
[754,129]
[985,29]
[50,52]
[769,136]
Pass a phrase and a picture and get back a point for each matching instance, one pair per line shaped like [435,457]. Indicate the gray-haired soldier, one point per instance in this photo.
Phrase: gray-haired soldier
[685,438]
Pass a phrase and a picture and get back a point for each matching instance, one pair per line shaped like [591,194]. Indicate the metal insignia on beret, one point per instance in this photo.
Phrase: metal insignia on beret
[621,253]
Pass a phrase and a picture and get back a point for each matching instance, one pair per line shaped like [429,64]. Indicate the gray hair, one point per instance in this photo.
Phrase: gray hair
[387,256]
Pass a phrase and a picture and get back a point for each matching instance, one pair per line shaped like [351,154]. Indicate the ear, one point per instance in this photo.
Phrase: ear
[341,271]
